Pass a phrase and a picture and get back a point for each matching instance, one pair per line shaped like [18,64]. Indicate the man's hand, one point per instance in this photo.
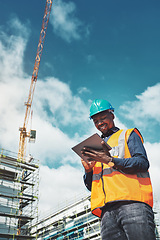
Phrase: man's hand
[102,156]
[88,166]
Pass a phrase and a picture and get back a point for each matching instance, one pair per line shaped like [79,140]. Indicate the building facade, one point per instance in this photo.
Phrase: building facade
[18,195]
[74,221]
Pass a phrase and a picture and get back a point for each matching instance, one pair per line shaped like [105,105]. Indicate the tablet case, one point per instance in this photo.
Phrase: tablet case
[93,141]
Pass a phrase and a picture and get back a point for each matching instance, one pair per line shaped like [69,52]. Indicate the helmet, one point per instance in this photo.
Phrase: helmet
[99,105]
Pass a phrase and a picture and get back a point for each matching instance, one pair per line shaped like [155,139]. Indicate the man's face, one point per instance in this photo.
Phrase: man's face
[103,121]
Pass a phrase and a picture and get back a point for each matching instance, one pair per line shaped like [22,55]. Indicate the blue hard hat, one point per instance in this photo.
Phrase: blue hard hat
[99,105]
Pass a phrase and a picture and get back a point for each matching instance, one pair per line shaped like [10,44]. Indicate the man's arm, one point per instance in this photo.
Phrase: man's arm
[88,166]
[88,180]
[138,161]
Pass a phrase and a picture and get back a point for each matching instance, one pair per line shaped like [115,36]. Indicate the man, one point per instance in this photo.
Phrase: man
[121,191]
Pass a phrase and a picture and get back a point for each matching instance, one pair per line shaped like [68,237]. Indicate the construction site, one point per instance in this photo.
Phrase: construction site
[19,207]
[19,187]
[19,174]
[18,195]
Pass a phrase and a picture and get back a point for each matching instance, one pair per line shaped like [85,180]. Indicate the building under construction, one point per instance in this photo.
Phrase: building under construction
[19,175]
[74,221]
[18,195]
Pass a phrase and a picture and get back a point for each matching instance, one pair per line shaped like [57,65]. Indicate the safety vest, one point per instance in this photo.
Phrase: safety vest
[110,184]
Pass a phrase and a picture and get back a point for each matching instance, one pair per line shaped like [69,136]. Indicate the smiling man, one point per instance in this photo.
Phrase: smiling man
[119,181]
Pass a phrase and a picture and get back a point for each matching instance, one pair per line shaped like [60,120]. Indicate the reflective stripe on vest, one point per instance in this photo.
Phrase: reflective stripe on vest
[118,151]
[110,184]
[108,171]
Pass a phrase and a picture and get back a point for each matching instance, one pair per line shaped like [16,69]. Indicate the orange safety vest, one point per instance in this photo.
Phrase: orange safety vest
[110,184]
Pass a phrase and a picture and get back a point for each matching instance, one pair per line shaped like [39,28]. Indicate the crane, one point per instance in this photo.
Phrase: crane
[23,130]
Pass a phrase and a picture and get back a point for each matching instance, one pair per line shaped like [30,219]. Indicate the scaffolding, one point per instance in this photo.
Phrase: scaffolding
[74,221]
[19,185]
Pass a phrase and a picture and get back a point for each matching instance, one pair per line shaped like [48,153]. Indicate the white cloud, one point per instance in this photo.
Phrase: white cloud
[53,147]
[64,22]
[145,107]
[55,107]
[59,186]
[53,102]
[153,152]
[119,124]
[61,103]
[12,82]
[90,58]
[12,50]
[83,90]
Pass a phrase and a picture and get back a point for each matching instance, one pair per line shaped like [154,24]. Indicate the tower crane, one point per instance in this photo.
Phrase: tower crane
[23,130]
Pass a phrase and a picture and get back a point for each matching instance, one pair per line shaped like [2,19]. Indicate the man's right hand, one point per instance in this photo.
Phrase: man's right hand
[88,166]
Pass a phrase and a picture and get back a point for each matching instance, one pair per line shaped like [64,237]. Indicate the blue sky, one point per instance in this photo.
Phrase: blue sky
[106,50]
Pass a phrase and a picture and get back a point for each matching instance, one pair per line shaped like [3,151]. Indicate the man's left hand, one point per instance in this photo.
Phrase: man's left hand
[102,156]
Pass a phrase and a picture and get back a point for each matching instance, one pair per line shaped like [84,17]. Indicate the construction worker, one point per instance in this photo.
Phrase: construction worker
[121,190]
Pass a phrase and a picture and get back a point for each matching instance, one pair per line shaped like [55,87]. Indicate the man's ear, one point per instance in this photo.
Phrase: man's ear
[112,114]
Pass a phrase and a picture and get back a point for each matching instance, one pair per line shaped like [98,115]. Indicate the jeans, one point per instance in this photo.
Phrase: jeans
[134,221]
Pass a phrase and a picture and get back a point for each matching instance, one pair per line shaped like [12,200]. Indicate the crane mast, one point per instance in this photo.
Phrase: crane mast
[23,130]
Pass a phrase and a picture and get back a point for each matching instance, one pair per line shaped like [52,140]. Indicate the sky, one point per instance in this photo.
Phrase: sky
[106,49]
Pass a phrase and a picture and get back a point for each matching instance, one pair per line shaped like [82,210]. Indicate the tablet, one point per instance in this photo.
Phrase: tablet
[93,141]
